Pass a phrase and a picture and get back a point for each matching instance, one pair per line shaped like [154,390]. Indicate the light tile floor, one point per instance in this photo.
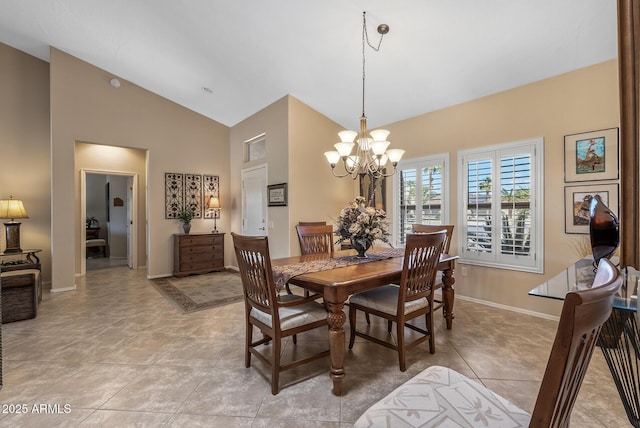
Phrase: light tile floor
[116,353]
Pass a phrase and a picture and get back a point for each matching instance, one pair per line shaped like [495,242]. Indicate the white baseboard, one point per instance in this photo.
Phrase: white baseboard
[508,308]
[60,290]
[164,275]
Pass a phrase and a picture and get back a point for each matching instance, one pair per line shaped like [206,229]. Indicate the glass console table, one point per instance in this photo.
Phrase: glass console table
[619,338]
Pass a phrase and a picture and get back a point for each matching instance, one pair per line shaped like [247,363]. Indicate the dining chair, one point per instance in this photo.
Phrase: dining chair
[315,239]
[403,303]
[439,396]
[312,223]
[277,317]
[428,228]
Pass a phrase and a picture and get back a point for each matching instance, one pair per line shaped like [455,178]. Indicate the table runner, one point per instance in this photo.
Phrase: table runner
[282,274]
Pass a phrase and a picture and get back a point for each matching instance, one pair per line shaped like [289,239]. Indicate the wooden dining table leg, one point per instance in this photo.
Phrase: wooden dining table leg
[448,295]
[336,319]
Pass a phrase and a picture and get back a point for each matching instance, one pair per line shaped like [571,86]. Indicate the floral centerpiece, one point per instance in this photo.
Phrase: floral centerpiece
[362,225]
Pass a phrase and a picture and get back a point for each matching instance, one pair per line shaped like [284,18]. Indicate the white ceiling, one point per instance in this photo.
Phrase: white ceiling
[252,52]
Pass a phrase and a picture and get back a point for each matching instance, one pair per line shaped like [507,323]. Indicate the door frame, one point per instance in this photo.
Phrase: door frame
[132,240]
[266,209]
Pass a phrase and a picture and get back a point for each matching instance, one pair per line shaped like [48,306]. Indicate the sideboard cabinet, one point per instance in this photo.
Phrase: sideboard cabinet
[197,253]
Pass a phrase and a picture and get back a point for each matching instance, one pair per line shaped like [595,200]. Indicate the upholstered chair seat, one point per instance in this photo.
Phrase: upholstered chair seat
[292,316]
[385,299]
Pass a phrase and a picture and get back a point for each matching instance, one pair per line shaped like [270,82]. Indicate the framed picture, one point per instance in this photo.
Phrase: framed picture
[373,190]
[591,156]
[277,194]
[577,200]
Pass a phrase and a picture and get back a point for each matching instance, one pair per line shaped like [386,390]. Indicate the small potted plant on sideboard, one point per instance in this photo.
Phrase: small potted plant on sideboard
[185,216]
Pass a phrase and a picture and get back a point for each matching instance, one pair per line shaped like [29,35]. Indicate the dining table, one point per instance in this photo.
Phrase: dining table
[619,338]
[339,274]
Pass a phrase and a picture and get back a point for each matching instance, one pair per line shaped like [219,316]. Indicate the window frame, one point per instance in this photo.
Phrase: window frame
[534,262]
[441,160]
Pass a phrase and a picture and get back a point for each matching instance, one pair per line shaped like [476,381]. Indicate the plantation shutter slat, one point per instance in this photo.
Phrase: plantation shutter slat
[479,216]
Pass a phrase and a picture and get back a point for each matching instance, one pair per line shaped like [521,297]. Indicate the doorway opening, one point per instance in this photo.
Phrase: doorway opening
[108,220]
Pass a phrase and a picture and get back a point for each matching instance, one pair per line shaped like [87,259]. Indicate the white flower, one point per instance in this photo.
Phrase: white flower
[357,221]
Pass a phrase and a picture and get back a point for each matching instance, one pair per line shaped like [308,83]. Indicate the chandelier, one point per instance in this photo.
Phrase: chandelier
[372,148]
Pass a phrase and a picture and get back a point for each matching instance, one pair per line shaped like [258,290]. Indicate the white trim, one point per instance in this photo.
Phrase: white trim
[133,226]
[533,263]
[60,290]
[509,308]
[243,172]
[164,275]
[442,158]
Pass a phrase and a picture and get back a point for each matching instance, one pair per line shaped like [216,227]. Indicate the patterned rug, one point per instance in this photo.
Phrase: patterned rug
[198,292]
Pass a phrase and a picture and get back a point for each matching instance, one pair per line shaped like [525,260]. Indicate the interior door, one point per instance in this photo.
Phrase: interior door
[129,221]
[254,201]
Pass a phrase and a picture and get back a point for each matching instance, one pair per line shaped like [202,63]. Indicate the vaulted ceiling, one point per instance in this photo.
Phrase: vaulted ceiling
[249,53]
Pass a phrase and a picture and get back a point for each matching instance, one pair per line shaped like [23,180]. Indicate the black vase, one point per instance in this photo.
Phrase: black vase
[604,230]
[361,246]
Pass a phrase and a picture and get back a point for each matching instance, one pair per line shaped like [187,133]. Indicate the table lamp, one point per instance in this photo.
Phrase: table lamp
[12,209]
[214,204]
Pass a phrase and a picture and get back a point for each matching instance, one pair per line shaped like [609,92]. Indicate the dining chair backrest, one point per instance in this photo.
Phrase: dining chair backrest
[254,264]
[428,228]
[315,239]
[312,223]
[583,314]
[421,256]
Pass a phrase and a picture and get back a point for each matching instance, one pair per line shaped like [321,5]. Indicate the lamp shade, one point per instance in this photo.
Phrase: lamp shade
[214,202]
[12,209]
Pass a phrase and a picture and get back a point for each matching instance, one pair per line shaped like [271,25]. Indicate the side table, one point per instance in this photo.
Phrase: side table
[21,285]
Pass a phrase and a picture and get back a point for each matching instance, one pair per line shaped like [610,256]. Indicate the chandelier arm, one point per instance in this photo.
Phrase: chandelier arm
[391,173]
[333,171]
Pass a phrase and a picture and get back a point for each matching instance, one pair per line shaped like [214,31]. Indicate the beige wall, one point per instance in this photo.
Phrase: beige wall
[85,108]
[579,101]
[110,159]
[315,194]
[296,138]
[24,140]
[272,121]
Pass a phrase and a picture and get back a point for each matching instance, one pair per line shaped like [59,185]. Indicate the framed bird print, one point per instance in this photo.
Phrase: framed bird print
[591,156]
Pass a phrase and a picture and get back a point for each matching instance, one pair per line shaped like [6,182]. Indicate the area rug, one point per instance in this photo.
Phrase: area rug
[198,292]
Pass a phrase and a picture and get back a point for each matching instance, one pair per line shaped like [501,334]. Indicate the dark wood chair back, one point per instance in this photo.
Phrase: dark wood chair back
[583,314]
[417,282]
[315,239]
[312,223]
[263,307]
[421,256]
[428,228]
[254,263]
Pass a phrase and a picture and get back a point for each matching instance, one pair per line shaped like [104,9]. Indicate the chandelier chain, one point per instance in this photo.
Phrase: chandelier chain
[371,148]
[365,42]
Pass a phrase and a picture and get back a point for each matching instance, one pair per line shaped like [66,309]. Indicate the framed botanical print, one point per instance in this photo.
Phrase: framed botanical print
[591,156]
[577,200]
